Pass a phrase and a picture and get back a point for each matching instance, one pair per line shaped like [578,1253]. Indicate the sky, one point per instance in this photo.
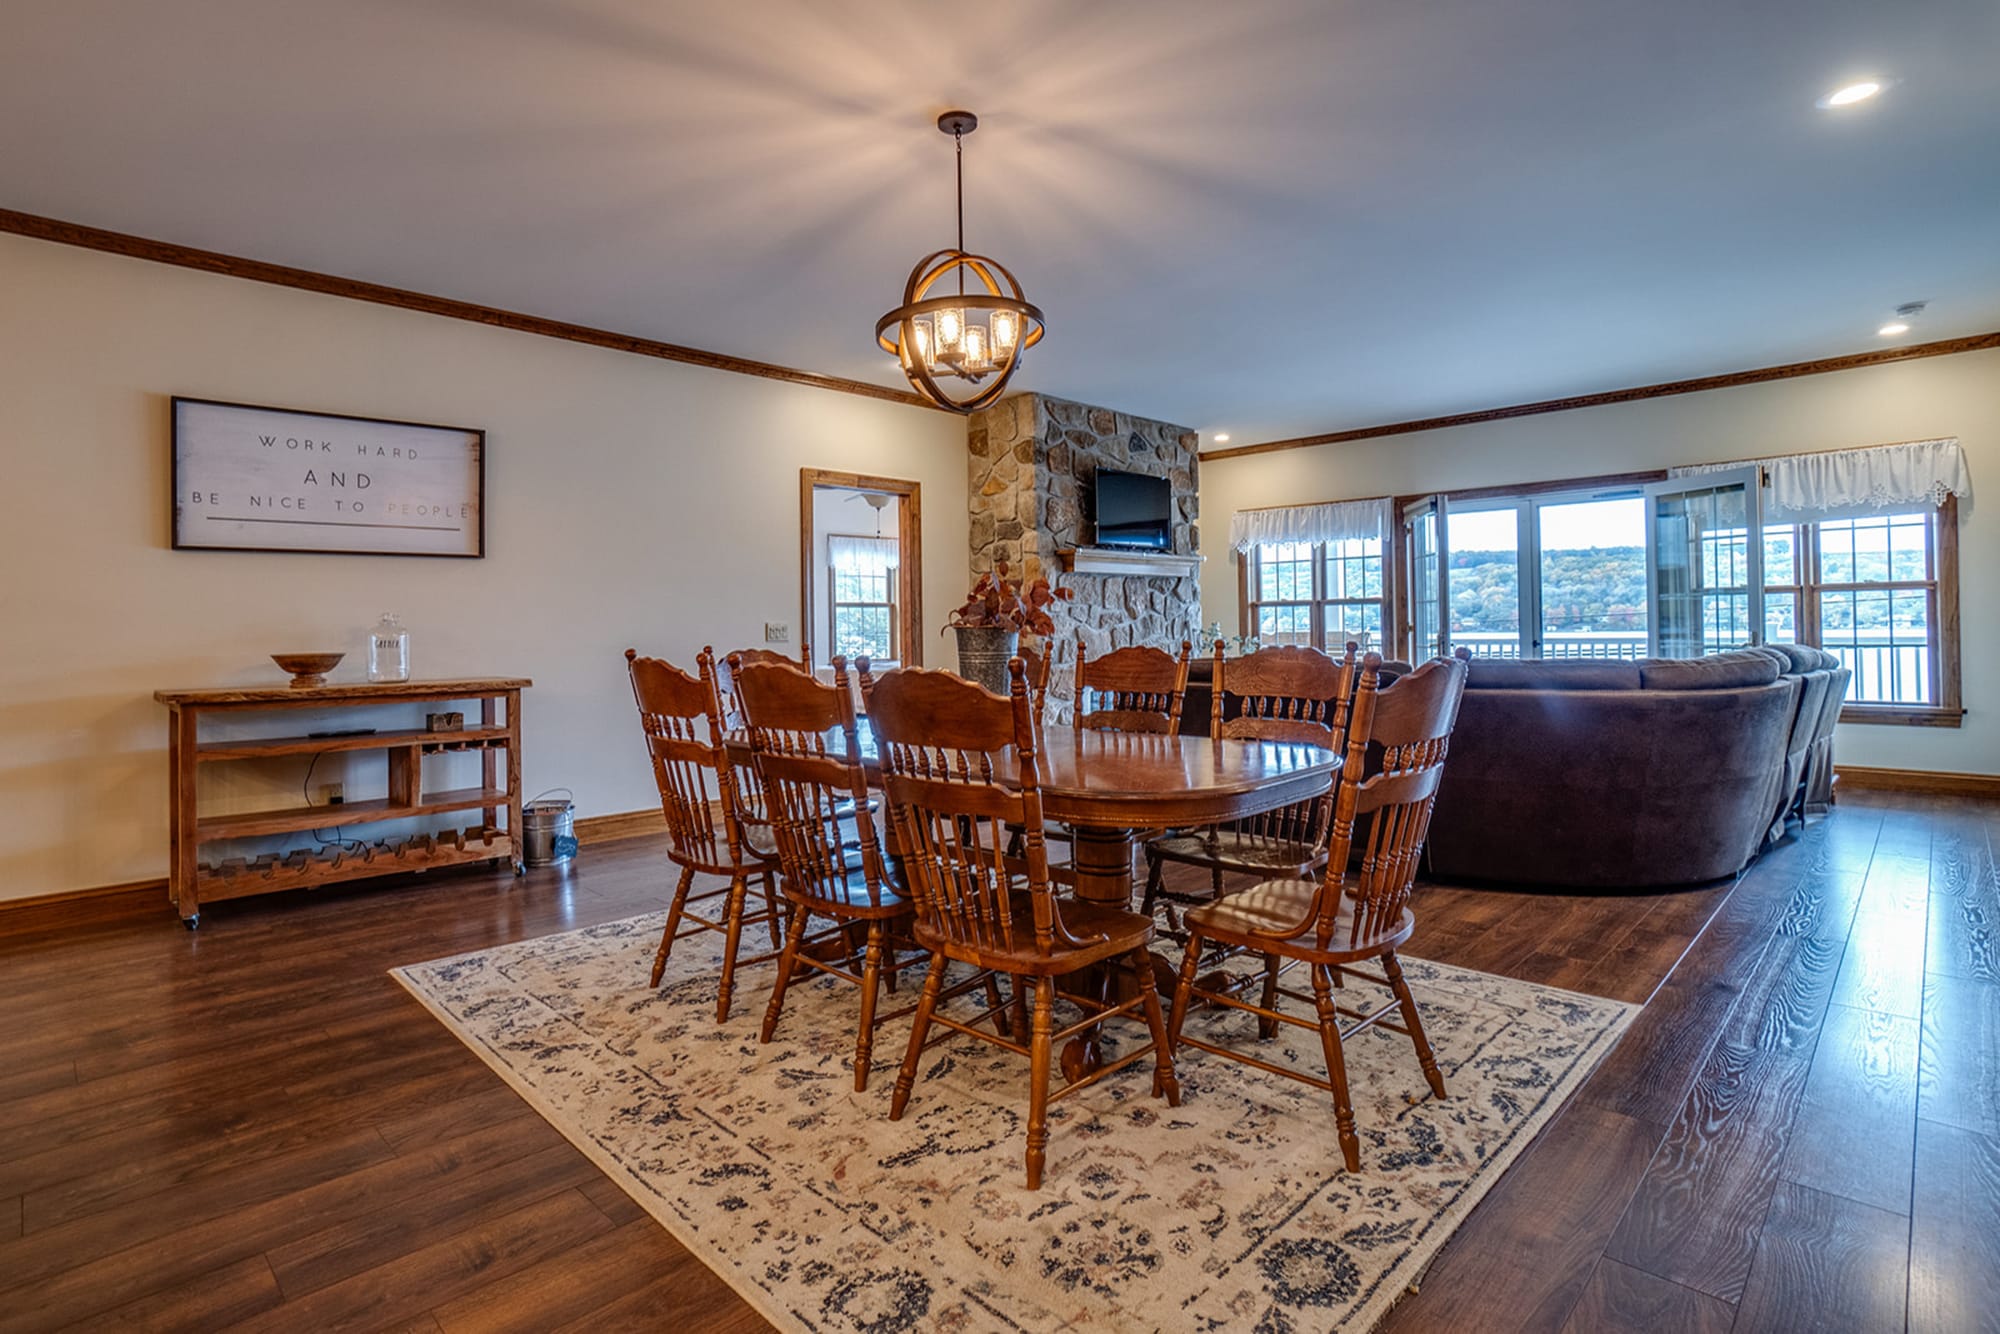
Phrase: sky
[1565,527]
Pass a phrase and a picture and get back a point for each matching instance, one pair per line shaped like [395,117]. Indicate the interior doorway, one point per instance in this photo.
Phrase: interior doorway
[860,568]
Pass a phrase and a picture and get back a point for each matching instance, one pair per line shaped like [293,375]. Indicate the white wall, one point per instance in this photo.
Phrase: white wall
[1911,400]
[630,501]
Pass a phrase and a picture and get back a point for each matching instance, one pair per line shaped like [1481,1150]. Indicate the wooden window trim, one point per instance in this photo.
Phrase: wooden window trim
[1949,711]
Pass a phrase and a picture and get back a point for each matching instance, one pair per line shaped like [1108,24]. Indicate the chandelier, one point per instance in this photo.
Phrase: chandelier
[975,336]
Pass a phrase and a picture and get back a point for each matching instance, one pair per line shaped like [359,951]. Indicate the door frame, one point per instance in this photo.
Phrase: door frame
[909,543]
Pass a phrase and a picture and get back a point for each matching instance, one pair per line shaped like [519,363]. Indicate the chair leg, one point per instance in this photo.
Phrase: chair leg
[907,1077]
[1184,989]
[1018,987]
[674,912]
[739,890]
[1215,880]
[1155,881]
[1426,1058]
[1038,1074]
[801,914]
[871,983]
[1336,1068]
[1268,1028]
[1164,1080]
[991,985]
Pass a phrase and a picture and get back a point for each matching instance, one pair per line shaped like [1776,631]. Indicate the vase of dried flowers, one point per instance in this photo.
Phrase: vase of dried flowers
[990,624]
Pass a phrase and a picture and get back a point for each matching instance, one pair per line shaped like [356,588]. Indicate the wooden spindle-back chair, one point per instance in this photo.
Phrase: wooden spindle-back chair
[958,764]
[682,719]
[803,737]
[1137,688]
[1346,916]
[1276,694]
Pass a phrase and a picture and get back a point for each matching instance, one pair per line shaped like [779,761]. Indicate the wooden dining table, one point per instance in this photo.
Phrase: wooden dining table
[1111,788]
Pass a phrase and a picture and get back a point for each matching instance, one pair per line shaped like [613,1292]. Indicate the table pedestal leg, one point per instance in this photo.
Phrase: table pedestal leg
[1103,875]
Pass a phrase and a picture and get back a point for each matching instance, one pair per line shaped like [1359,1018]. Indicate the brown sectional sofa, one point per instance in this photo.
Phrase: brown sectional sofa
[1614,774]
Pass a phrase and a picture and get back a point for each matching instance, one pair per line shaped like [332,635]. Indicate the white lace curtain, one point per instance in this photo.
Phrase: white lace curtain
[1334,521]
[1855,483]
[872,556]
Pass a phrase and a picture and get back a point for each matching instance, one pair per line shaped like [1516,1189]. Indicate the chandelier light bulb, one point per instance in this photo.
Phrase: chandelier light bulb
[950,329]
[975,349]
[1006,331]
[920,334]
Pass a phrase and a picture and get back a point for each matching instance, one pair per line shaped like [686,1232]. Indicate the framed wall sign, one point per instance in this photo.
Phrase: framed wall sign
[268,479]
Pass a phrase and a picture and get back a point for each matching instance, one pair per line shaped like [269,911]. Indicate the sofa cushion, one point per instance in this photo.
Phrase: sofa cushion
[1801,657]
[1552,674]
[1717,671]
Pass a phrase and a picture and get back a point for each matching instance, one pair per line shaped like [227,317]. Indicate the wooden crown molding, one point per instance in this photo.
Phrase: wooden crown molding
[1853,361]
[279,275]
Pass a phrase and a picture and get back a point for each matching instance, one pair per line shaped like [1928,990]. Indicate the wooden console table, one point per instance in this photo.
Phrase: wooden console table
[191,884]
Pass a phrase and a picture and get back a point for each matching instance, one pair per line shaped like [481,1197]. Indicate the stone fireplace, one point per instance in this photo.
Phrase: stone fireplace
[1032,459]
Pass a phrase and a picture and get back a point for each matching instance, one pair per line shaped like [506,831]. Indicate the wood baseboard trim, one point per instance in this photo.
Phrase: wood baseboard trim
[157,885]
[1918,780]
[1731,380]
[622,824]
[305,280]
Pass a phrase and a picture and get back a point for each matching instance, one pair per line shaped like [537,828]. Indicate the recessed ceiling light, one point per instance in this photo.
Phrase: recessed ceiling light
[1222,438]
[1849,94]
[1892,328]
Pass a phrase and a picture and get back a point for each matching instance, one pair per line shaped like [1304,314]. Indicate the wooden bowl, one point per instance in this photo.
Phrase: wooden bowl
[307,669]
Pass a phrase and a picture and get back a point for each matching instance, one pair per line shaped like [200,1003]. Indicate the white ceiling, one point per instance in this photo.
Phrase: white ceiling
[1262,218]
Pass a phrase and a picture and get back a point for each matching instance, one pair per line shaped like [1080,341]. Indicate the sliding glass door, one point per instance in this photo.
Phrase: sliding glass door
[1430,594]
[1704,548]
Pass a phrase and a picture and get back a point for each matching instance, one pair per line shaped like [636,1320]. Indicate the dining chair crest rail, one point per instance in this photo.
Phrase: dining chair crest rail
[957,764]
[1347,916]
[682,718]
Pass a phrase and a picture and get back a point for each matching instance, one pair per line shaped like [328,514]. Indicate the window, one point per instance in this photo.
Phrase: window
[861,578]
[1319,594]
[864,615]
[1874,592]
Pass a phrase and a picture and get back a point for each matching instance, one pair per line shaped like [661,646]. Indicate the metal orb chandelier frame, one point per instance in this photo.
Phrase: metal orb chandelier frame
[975,336]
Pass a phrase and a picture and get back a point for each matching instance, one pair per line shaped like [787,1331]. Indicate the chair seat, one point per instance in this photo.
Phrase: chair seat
[1234,850]
[1278,905]
[1122,933]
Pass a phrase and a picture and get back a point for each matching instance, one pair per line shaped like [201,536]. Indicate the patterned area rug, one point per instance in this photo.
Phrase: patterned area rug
[1230,1212]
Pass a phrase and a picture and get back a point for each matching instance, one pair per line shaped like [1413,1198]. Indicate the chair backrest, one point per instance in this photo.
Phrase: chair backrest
[725,676]
[1284,694]
[681,718]
[948,748]
[808,764]
[1137,688]
[1410,723]
[1291,694]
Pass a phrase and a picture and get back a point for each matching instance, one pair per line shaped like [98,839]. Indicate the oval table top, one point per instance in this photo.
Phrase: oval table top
[1124,780]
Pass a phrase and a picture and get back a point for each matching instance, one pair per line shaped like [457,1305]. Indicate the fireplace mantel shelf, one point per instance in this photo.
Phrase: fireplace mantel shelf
[1121,561]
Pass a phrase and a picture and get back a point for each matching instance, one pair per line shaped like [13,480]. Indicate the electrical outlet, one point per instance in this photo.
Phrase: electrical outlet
[332,794]
[777,632]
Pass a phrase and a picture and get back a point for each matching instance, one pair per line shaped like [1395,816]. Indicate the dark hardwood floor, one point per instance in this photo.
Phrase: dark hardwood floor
[253,1126]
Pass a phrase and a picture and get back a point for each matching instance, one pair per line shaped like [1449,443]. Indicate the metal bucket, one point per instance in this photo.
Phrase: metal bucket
[548,829]
[983,654]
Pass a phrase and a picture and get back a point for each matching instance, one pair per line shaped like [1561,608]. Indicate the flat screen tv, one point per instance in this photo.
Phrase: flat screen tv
[1133,510]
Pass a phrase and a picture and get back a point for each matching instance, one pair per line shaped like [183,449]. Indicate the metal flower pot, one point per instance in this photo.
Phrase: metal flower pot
[983,654]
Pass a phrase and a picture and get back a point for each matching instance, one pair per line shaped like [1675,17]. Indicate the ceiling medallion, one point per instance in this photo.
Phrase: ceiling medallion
[975,336]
